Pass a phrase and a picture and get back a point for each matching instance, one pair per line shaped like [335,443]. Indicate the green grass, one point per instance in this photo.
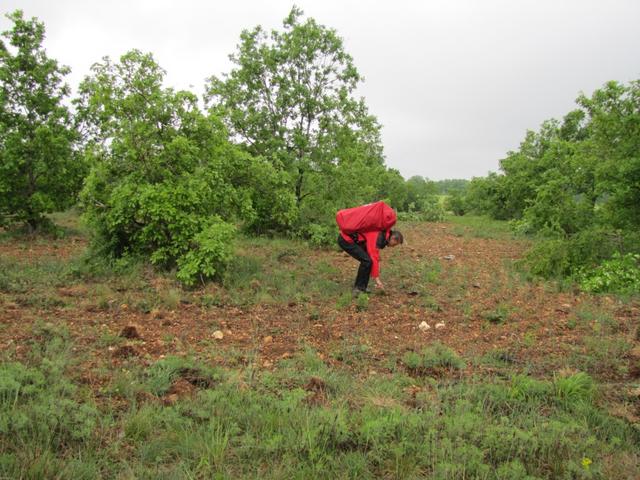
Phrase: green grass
[19,277]
[279,271]
[432,360]
[302,420]
[479,227]
[498,315]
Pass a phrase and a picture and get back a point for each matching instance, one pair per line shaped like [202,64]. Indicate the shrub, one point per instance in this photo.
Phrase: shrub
[456,203]
[164,177]
[320,235]
[210,253]
[567,256]
[621,274]
[431,209]
[432,359]
[38,405]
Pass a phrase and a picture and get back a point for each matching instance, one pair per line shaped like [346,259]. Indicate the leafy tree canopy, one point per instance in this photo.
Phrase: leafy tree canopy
[290,98]
[165,182]
[39,169]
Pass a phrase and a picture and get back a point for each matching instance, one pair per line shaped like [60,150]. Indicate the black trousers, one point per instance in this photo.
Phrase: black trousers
[357,251]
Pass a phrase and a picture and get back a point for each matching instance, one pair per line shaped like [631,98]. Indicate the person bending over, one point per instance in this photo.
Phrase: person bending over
[365,247]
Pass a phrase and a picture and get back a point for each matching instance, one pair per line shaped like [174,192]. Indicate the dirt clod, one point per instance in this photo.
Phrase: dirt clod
[317,389]
[131,332]
[125,351]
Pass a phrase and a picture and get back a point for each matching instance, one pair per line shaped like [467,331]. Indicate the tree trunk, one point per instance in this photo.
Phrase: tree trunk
[299,186]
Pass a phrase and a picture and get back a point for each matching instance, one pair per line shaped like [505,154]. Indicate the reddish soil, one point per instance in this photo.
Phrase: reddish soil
[32,248]
[475,281]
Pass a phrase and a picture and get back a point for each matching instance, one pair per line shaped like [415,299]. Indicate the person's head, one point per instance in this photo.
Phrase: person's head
[395,238]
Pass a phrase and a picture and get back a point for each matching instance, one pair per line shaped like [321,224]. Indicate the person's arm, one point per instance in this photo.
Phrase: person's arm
[374,253]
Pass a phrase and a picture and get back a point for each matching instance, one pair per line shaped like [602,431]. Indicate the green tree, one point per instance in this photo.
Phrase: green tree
[394,189]
[576,182]
[419,190]
[165,183]
[456,202]
[290,98]
[39,169]
[612,151]
[486,196]
[451,185]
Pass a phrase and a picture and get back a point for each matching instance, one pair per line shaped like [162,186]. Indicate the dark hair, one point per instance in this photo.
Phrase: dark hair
[397,235]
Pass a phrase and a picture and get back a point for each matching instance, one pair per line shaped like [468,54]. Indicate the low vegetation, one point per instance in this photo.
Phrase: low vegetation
[117,373]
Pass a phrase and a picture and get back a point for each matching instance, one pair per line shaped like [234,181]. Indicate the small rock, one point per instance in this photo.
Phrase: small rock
[440,325]
[476,285]
[449,257]
[424,326]
[268,339]
[218,335]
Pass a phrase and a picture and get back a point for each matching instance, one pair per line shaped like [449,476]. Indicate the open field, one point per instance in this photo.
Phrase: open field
[118,372]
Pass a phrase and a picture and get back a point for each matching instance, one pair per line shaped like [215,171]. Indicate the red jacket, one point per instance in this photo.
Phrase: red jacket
[371,239]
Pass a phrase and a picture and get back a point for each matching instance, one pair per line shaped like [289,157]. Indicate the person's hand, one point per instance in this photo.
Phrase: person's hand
[379,283]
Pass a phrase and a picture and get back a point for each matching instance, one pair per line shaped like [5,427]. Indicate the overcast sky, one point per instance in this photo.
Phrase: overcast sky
[454,83]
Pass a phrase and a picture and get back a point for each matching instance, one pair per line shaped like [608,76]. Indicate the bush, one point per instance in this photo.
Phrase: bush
[211,252]
[164,177]
[37,407]
[621,274]
[567,256]
[431,209]
[456,203]
[320,235]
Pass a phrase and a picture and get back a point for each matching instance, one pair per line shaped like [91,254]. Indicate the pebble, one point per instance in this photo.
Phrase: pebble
[218,335]
[424,326]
